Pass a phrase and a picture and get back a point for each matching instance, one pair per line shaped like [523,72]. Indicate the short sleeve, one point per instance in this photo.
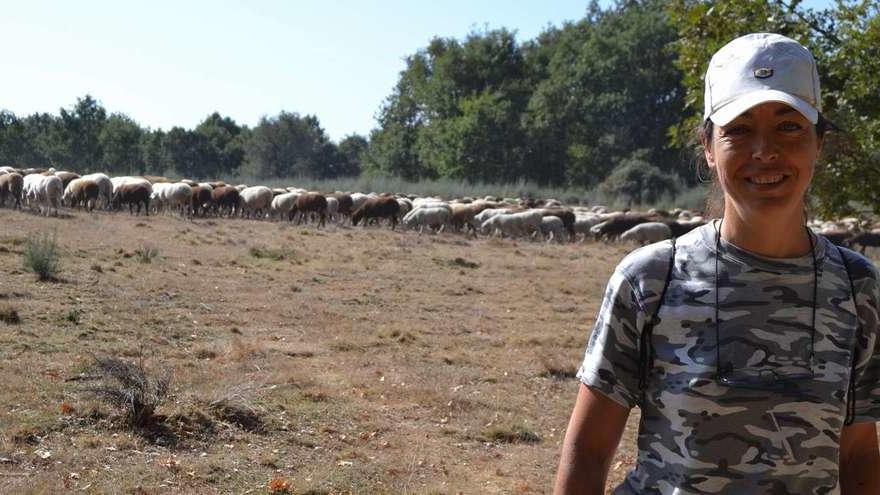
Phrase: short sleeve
[611,361]
[867,358]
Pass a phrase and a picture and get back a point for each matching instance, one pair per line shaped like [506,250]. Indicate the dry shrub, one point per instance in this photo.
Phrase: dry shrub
[279,486]
[558,368]
[9,315]
[129,388]
[42,256]
[238,414]
[511,434]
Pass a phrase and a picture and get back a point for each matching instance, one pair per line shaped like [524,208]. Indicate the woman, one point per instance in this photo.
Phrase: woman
[749,344]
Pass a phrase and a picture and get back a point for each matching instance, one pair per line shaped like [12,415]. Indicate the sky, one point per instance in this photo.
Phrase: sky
[172,63]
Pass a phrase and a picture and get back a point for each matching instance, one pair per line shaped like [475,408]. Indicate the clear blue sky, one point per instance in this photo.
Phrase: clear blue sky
[167,63]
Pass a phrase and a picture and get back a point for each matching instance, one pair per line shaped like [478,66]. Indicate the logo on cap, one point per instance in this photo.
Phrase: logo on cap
[763,72]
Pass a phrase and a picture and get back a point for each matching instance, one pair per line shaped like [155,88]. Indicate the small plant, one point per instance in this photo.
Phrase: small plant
[279,486]
[511,434]
[146,253]
[272,254]
[42,256]
[75,315]
[9,315]
[129,388]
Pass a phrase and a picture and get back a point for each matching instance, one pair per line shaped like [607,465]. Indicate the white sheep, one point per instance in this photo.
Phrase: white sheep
[283,205]
[553,229]
[646,233]
[427,217]
[45,191]
[255,199]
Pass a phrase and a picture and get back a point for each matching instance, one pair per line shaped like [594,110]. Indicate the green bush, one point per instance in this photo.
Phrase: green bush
[42,256]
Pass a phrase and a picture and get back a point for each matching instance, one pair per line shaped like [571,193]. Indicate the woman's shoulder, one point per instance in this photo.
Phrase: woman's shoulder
[654,259]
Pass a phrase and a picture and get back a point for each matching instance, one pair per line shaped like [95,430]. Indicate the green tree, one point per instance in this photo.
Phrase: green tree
[80,130]
[224,152]
[119,141]
[291,145]
[352,150]
[638,182]
[843,39]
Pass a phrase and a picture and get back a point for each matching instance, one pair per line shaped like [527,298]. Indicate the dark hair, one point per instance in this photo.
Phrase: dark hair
[715,197]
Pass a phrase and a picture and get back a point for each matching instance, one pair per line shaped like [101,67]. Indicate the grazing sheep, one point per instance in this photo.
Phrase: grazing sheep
[11,185]
[345,204]
[81,193]
[332,207]
[865,240]
[43,190]
[176,196]
[376,208]
[431,217]
[553,229]
[200,201]
[358,200]
[105,188]
[255,200]
[66,177]
[283,205]
[134,193]
[225,199]
[647,233]
[311,204]
[524,223]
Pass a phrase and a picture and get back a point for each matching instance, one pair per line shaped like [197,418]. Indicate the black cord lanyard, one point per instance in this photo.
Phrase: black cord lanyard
[717,300]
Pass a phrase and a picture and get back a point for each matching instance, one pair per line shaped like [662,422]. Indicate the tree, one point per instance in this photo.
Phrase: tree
[120,140]
[843,40]
[352,150]
[290,145]
[638,182]
[224,152]
[80,130]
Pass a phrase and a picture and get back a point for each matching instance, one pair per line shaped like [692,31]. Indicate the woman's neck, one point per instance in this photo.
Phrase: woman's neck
[782,236]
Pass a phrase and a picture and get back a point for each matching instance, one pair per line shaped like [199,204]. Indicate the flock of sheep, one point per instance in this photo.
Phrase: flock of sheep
[47,190]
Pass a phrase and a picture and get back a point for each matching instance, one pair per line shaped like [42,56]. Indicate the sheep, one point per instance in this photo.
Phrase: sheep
[346,204]
[225,199]
[375,208]
[865,239]
[358,200]
[513,224]
[44,190]
[177,196]
[463,216]
[406,206]
[105,187]
[255,200]
[432,217]
[133,193]
[66,177]
[283,205]
[583,224]
[200,201]
[11,185]
[647,233]
[311,203]
[553,228]
[81,193]
[332,207]
[481,217]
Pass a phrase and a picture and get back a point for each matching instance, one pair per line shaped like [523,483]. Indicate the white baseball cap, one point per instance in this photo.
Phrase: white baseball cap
[757,68]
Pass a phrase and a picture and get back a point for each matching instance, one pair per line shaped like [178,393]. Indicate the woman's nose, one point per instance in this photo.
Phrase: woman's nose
[764,148]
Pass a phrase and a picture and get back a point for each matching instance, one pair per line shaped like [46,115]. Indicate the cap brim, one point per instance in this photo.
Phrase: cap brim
[732,110]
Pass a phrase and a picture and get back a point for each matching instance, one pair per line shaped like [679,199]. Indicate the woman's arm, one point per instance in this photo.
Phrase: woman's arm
[859,459]
[591,439]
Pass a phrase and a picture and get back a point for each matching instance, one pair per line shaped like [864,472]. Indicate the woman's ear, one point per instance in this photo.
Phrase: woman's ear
[707,152]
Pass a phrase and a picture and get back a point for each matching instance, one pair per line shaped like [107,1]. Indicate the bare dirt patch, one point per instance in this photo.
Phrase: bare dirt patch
[334,360]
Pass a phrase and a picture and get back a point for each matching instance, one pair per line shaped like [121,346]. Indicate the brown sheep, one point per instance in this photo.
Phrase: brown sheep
[345,204]
[83,193]
[201,200]
[66,177]
[133,194]
[838,237]
[310,203]
[865,239]
[375,208]
[225,199]
[11,185]
[612,228]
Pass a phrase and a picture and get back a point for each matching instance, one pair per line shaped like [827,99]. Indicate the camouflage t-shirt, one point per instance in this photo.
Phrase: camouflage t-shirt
[700,436]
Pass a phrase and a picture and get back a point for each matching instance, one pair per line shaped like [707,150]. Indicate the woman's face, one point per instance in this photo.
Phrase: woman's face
[764,159]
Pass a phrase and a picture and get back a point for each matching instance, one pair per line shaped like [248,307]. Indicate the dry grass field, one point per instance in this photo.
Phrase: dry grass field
[304,360]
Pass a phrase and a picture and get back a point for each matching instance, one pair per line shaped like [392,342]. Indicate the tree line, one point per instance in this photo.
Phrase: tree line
[609,101]
[86,139]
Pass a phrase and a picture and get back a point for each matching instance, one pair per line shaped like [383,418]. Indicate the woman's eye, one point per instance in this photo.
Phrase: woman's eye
[790,126]
[736,130]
